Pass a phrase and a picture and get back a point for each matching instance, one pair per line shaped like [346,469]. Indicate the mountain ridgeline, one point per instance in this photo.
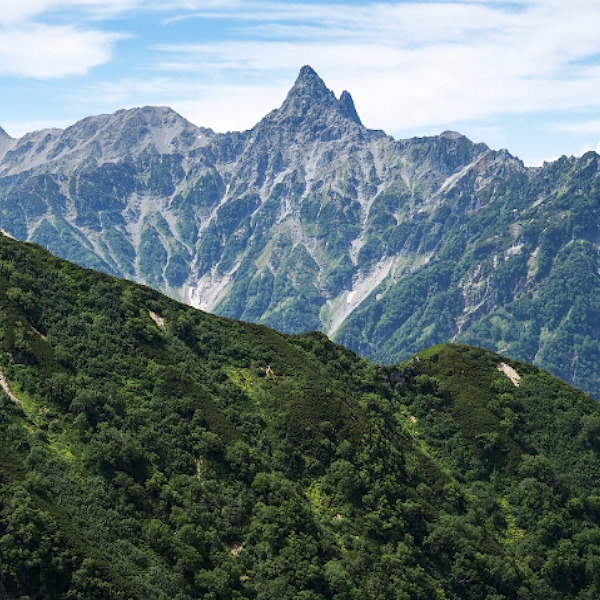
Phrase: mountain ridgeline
[311,221]
[151,451]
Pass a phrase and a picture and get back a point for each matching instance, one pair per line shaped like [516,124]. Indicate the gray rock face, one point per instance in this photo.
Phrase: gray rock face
[312,221]
[6,142]
[102,139]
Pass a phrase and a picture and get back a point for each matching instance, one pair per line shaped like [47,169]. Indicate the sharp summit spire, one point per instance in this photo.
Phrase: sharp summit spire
[309,92]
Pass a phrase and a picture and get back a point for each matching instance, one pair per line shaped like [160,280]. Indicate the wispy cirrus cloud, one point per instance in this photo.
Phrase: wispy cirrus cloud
[47,52]
[417,63]
[21,11]
[48,39]
[587,126]
[413,67]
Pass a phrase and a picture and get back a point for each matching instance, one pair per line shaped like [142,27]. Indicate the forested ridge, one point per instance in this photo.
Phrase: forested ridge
[158,452]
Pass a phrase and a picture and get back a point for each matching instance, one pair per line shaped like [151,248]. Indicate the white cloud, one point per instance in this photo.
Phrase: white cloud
[419,63]
[411,66]
[20,11]
[230,108]
[587,147]
[32,46]
[46,52]
[24,11]
[17,129]
[221,107]
[588,126]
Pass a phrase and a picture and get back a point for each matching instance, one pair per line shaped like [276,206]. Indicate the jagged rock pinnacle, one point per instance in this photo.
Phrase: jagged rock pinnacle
[309,93]
[309,77]
[306,72]
[6,142]
[347,107]
[309,84]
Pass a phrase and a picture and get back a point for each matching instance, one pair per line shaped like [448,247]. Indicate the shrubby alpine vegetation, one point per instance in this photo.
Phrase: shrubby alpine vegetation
[311,221]
[152,451]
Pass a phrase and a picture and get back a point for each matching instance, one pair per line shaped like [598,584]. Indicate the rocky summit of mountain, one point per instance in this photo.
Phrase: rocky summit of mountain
[151,451]
[310,220]
[95,141]
[6,142]
[311,100]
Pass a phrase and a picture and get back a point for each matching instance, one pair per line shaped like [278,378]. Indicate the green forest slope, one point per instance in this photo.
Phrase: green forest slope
[152,451]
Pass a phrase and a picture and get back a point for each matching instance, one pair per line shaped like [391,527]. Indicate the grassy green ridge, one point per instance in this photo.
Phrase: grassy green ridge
[160,452]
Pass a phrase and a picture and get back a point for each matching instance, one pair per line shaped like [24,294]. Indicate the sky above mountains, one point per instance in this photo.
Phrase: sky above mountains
[522,75]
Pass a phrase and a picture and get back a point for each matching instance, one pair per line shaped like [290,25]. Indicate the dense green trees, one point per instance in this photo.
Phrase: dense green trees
[198,457]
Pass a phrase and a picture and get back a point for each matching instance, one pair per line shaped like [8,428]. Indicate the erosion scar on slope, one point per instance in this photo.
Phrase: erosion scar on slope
[7,389]
[157,319]
[510,373]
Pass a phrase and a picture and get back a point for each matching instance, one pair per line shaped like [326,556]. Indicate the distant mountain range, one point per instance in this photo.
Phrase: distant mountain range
[312,221]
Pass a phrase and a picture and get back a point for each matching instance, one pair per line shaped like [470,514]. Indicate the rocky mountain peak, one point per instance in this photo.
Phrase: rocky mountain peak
[309,83]
[308,91]
[6,142]
[150,116]
[348,108]
[310,97]
[106,138]
[452,135]
[137,125]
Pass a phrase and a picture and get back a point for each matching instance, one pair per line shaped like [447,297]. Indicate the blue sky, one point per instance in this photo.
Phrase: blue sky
[522,75]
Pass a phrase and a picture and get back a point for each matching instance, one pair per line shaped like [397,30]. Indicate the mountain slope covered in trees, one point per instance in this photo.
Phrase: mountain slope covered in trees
[312,221]
[149,450]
